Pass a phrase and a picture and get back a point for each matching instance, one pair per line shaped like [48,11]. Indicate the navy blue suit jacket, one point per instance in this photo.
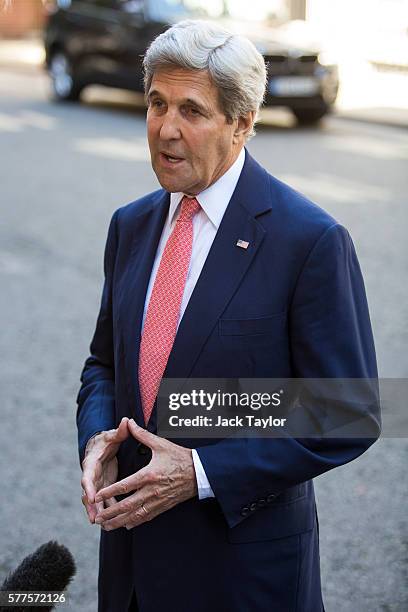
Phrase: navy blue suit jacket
[291,305]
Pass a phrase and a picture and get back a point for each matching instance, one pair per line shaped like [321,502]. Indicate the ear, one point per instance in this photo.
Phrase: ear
[243,126]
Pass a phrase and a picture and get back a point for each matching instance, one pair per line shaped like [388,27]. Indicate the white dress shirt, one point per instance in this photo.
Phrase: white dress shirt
[213,201]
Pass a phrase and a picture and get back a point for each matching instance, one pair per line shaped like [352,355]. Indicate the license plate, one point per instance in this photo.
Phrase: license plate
[293,86]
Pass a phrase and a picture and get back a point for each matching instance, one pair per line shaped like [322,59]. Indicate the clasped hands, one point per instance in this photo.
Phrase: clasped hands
[166,481]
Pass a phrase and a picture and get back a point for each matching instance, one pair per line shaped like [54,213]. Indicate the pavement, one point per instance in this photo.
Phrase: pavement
[23,54]
[365,95]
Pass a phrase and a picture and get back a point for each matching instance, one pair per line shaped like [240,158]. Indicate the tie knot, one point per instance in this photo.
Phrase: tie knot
[189,208]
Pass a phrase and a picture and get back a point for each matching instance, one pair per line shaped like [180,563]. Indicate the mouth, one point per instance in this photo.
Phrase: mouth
[170,160]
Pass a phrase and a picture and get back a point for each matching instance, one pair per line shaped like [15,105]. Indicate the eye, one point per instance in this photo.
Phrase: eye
[190,111]
[156,103]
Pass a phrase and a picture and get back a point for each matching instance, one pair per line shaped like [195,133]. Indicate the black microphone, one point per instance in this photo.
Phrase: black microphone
[50,568]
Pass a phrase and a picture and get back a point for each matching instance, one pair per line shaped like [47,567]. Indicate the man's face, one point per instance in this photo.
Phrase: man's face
[191,143]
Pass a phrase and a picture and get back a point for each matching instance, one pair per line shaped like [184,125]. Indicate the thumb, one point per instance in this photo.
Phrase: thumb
[122,431]
[88,488]
[143,436]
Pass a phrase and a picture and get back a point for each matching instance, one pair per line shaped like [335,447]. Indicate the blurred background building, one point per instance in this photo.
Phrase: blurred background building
[19,18]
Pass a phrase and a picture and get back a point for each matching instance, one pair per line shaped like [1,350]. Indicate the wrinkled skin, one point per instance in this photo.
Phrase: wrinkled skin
[166,481]
[100,467]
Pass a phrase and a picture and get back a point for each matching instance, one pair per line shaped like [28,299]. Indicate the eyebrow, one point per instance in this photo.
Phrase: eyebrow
[191,101]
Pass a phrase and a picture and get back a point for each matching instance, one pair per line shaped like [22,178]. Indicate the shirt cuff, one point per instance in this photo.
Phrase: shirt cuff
[204,487]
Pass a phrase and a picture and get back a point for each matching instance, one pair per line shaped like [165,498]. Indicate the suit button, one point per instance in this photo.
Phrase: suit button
[261,502]
[142,449]
[270,498]
[245,510]
[253,506]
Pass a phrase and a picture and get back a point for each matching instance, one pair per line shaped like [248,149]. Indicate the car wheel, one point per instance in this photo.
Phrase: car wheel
[63,84]
[309,116]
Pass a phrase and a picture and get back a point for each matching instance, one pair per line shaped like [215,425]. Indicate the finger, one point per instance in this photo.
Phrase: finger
[87,483]
[132,482]
[90,509]
[120,433]
[129,504]
[111,501]
[142,516]
[119,521]
[144,512]
[142,435]
[136,517]
[92,512]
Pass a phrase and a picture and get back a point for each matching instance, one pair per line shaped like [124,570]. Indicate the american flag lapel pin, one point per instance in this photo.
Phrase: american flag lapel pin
[243,244]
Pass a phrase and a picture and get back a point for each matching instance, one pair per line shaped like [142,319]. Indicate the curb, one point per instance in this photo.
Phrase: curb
[359,117]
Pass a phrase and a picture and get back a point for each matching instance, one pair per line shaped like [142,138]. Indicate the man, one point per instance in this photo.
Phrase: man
[225,272]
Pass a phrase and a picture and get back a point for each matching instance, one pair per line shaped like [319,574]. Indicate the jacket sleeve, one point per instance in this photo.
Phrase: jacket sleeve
[330,337]
[96,397]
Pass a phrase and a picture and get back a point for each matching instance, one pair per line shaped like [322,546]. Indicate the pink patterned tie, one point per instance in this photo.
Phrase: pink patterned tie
[164,306]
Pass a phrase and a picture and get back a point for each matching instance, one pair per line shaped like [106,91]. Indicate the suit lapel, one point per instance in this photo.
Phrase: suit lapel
[224,268]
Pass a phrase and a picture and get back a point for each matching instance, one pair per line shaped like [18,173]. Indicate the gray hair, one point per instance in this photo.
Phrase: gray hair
[235,66]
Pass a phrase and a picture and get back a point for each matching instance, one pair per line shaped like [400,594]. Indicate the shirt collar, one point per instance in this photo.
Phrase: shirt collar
[214,200]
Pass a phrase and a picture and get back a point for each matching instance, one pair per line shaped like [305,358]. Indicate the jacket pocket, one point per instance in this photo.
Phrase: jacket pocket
[291,513]
[244,327]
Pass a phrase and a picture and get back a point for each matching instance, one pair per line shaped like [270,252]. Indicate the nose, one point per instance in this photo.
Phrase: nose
[170,129]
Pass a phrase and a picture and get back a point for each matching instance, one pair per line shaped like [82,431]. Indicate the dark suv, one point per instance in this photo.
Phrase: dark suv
[103,42]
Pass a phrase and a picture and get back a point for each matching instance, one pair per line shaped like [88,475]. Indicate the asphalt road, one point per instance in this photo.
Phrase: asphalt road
[64,170]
